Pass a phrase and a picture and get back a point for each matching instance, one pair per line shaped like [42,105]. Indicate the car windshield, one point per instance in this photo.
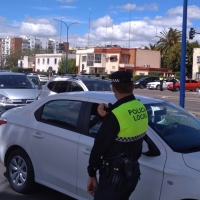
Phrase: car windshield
[35,80]
[178,128]
[15,82]
[98,85]
[142,79]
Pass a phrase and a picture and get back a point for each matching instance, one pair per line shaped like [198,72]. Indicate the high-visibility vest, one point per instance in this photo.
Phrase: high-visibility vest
[133,120]
[161,78]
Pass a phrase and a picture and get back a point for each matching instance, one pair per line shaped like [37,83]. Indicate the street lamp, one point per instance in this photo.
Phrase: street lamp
[67,40]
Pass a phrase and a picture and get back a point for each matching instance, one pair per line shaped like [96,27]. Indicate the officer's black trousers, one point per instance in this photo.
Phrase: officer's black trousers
[106,192]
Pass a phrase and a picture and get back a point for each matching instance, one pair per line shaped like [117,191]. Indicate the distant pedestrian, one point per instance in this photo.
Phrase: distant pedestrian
[174,83]
[161,82]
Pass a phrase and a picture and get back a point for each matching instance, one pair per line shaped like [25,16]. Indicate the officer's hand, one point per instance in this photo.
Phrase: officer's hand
[101,109]
[92,185]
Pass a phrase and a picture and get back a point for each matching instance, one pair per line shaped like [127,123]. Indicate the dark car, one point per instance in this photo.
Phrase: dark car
[142,83]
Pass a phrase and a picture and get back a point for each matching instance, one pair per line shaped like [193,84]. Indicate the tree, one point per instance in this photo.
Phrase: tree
[71,66]
[168,39]
[12,60]
[151,47]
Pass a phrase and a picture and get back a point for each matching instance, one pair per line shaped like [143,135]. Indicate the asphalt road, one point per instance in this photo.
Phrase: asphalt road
[192,104]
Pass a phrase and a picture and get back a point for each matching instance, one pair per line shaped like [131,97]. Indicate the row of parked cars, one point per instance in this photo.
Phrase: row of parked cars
[154,83]
[18,89]
[49,141]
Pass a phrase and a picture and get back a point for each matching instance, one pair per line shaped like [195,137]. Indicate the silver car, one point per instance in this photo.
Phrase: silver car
[16,90]
[73,84]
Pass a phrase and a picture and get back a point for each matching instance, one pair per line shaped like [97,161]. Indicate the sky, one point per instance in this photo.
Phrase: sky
[127,23]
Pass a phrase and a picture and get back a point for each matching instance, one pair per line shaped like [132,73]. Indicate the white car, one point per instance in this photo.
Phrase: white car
[73,83]
[49,141]
[156,84]
[43,78]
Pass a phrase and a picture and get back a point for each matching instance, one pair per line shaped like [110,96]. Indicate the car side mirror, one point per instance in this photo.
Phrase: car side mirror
[149,148]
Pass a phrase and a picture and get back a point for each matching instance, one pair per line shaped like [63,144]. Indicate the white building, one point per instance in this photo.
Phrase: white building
[44,61]
[93,61]
[196,63]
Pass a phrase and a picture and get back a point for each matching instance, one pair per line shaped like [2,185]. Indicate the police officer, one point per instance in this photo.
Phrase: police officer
[121,134]
[161,82]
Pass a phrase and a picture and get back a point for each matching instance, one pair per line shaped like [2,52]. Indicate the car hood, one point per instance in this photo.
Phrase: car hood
[20,93]
[192,160]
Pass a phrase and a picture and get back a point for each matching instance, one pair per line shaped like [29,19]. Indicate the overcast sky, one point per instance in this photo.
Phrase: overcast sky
[128,23]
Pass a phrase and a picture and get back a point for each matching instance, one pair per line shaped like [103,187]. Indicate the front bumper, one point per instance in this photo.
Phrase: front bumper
[4,107]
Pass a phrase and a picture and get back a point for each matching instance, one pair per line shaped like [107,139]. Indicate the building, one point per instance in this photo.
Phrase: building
[196,64]
[44,61]
[110,59]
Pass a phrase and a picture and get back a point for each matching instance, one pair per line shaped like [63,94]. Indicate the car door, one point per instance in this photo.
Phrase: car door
[187,85]
[53,134]
[151,165]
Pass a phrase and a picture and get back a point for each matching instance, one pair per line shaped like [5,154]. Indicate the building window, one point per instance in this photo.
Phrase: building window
[38,61]
[90,59]
[84,58]
[47,60]
[97,58]
[55,61]
[43,61]
[113,59]
[198,59]
[126,59]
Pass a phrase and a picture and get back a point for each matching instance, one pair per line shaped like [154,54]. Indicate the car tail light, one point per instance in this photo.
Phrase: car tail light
[3,121]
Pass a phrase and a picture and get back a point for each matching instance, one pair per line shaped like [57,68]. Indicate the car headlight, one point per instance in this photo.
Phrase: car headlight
[137,83]
[5,99]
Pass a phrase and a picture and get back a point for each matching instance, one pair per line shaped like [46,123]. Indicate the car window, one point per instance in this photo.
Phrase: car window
[35,80]
[179,129]
[187,81]
[51,85]
[15,82]
[193,81]
[95,122]
[74,87]
[61,86]
[61,113]
[98,85]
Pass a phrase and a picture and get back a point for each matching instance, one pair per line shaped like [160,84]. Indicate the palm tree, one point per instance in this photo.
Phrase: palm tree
[151,47]
[168,39]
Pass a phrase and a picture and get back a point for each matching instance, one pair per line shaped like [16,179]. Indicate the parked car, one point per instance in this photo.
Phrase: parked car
[74,83]
[55,140]
[142,83]
[36,81]
[43,79]
[32,74]
[191,85]
[156,84]
[15,90]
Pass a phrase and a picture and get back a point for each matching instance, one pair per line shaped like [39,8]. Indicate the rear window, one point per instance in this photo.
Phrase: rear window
[15,82]
[97,85]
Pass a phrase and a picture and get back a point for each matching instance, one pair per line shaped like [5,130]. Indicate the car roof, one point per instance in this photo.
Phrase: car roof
[64,78]
[12,73]
[108,96]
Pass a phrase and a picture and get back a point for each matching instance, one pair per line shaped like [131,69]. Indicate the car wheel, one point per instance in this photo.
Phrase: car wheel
[20,171]
[197,89]
[177,88]
[141,86]
[158,87]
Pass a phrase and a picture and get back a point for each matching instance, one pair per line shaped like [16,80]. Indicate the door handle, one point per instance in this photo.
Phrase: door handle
[38,135]
[86,151]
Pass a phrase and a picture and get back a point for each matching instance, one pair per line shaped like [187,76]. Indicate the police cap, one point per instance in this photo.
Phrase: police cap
[121,77]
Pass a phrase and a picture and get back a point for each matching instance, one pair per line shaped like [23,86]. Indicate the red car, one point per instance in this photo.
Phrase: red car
[191,85]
